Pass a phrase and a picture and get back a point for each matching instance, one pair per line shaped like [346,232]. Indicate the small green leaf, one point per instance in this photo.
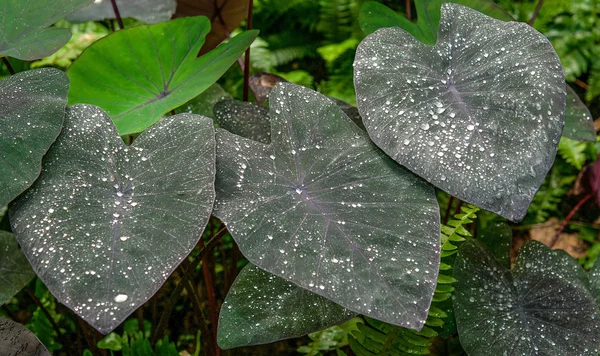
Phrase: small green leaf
[159,72]
[111,342]
[24,31]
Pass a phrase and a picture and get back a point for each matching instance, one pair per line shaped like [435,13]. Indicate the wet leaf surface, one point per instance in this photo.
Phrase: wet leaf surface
[106,224]
[478,115]
[244,119]
[15,271]
[32,107]
[322,207]
[16,340]
[159,73]
[278,310]
[497,237]
[204,103]
[24,25]
[540,308]
[149,11]
[579,124]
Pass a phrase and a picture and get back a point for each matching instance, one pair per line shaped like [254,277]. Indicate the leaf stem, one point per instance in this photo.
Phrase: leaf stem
[90,337]
[247,55]
[8,66]
[448,208]
[536,12]
[211,296]
[164,318]
[568,218]
[408,13]
[117,14]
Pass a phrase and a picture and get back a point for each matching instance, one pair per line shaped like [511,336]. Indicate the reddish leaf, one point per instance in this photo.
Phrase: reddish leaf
[224,15]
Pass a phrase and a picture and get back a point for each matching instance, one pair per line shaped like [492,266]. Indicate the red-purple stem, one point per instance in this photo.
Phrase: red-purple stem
[247,56]
[408,13]
[536,12]
[8,66]
[117,14]
[568,218]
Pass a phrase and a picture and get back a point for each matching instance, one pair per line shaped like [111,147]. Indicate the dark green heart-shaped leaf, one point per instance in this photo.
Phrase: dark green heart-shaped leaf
[158,72]
[261,308]
[15,271]
[204,103]
[245,119]
[16,340]
[374,16]
[594,282]
[105,224]
[479,114]
[541,308]
[24,31]
[322,207]
[497,237]
[579,124]
[150,11]
[32,107]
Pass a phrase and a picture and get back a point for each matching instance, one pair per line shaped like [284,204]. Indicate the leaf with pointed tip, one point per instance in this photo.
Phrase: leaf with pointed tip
[204,103]
[32,107]
[24,31]
[244,119]
[159,73]
[278,310]
[579,124]
[478,115]
[226,16]
[322,207]
[15,271]
[16,340]
[540,308]
[105,224]
[149,11]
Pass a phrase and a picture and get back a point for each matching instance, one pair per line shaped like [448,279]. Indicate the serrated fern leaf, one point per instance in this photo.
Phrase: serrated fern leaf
[454,230]
[572,151]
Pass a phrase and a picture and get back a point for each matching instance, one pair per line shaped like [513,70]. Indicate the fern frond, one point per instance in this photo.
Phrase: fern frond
[572,151]
[375,337]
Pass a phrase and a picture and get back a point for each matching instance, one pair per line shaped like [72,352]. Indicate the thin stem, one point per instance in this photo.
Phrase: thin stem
[448,208]
[117,14]
[8,66]
[90,338]
[536,12]
[164,318]
[247,56]
[408,13]
[173,112]
[568,218]
[211,296]
[199,316]
[457,209]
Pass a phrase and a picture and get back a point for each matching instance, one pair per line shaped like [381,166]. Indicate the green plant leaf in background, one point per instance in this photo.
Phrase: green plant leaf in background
[24,31]
[106,224]
[278,310]
[15,340]
[497,237]
[204,103]
[244,119]
[322,207]
[140,73]
[485,105]
[150,11]
[540,308]
[579,123]
[15,271]
[32,107]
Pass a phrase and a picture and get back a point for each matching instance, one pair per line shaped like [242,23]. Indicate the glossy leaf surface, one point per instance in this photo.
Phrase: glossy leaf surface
[32,107]
[478,115]
[16,340]
[579,123]
[244,119]
[15,271]
[150,11]
[497,237]
[105,224]
[540,308]
[24,27]
[159,72]
[322,207]
[278,310]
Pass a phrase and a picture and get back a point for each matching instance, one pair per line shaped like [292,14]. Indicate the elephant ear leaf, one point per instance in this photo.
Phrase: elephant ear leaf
[485,105]
[541,307]
[25,30]
[279,310]
[28,125]
[320,205]
[15,339]
[106,224]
